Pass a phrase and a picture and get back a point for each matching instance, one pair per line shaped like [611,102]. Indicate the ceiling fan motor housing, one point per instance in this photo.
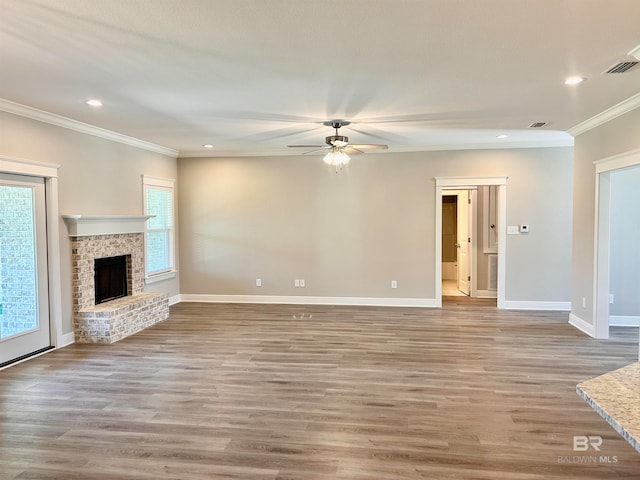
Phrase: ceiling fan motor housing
[332,139]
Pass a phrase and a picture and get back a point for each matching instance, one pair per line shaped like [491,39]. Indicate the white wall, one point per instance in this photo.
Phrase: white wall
[349,234]
[96,176]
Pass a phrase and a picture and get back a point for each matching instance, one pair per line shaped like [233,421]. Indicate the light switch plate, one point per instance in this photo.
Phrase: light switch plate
[513,230]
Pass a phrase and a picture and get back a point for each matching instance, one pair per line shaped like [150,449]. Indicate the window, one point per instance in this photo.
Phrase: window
[160,229]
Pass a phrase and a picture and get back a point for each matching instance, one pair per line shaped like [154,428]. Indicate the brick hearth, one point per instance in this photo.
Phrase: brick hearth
[111,321]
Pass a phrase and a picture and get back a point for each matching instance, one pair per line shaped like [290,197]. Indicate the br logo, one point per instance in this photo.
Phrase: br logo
[582,443]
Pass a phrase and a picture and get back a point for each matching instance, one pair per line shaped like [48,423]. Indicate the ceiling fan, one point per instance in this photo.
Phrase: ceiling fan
[339,146]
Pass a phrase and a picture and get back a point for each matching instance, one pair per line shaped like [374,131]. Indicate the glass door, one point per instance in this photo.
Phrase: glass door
[24,292]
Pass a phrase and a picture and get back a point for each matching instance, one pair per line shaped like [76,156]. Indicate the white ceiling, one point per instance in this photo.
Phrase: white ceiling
[253,76]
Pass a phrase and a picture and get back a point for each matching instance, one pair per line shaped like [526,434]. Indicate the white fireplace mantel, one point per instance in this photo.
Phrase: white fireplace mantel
[85,225]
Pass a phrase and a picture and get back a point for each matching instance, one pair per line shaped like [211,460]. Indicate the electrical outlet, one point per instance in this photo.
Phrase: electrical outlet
[584,302]
[611,298]
[258,282]
[302,282]
[394,284]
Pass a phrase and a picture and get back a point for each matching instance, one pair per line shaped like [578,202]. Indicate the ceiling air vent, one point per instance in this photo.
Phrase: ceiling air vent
[538,124]
[621,67]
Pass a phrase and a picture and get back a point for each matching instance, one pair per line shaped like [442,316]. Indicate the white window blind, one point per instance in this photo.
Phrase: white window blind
[160,229]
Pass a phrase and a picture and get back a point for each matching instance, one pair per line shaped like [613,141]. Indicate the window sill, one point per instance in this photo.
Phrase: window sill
[159,277]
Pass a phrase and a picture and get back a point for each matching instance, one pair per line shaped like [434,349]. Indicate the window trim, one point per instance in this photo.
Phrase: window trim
[160,183]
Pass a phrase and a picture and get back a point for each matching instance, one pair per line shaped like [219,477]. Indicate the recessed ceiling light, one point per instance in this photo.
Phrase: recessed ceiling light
[502,135]
[94,102]
[207,145]
[574,80]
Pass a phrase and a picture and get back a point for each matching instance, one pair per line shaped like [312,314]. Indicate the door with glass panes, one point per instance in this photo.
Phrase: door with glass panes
[24,289]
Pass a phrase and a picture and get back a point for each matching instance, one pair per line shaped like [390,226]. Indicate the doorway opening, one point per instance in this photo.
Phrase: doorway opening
[480,262]
[458,242]
[616,260]
[24,281]
[27,332]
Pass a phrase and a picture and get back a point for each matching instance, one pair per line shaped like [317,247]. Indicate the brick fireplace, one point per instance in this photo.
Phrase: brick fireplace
[96,237]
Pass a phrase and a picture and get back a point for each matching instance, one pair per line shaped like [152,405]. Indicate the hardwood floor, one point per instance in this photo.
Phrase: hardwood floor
[274,392]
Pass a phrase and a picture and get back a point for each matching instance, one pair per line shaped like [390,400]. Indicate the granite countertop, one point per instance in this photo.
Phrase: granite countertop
[616,397]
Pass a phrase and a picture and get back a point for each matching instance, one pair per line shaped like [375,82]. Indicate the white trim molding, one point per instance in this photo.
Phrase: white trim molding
[607,115]
[455,182]
[64,122]
[160,277]
[490,145]
[308,300]
[616,162]
[537,305]
[28,167]
[487,294]
[624,321]
[581,325]
[175,299]
[67,339]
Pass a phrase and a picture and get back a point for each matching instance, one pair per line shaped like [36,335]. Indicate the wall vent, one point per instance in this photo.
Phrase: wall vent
[621,67]
[538,124]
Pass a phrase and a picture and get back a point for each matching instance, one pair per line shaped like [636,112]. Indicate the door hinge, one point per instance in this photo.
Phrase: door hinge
[469,240]
[469,278]
[469,201]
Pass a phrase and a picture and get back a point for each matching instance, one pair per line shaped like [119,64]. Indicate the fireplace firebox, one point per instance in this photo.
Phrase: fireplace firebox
[111,279]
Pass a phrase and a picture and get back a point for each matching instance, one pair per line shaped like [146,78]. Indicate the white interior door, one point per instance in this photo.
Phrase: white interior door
[24,292]
[464,242]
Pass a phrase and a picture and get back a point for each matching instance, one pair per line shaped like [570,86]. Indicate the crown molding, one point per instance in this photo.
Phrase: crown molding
[64,122]
[558,142]
[609,114]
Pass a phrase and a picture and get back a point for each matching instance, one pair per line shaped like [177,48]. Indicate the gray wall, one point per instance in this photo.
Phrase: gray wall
[96,176]
[614,137]
[624,252]
[351,233]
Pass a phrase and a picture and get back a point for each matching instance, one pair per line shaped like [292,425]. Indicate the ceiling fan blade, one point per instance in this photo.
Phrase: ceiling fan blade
[310,152]
[306,146]
[370,146]
[352,150]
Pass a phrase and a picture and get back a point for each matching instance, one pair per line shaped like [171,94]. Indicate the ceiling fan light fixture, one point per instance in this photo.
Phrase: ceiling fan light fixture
[337,158]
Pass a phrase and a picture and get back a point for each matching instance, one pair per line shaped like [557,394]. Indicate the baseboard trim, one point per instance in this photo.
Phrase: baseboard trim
[308,300]
[66,339]
[624,321]
[175,299]
[582,325]
[486,293]
[533,305]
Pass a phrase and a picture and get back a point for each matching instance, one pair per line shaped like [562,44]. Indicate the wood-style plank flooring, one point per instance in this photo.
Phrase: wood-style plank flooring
[274,392]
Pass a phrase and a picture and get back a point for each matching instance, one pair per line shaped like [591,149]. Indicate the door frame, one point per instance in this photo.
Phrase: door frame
[602,236]
[49,172]
[466,183]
